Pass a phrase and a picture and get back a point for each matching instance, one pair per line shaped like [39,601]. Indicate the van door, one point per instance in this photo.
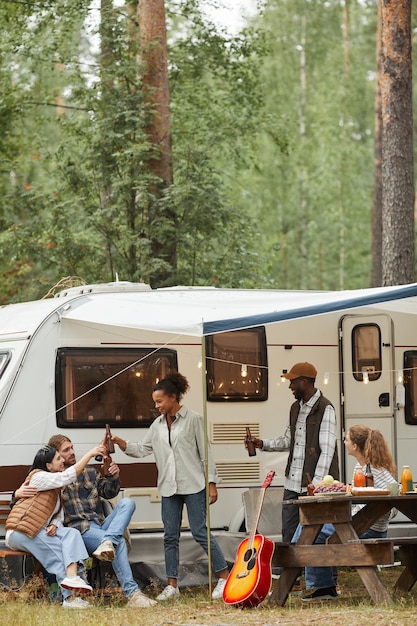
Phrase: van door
[367,378]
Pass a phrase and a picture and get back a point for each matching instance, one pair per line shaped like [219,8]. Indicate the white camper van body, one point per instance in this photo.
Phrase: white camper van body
[299,326]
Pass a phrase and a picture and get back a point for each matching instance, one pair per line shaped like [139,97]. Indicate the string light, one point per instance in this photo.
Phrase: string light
[400,376]
[326,378]
[282,376]
[200,364]
[244,370]
[365,378]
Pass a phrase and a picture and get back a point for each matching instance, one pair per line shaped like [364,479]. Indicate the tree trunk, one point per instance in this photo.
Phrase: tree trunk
[397,144]
[376,271]
[153,44]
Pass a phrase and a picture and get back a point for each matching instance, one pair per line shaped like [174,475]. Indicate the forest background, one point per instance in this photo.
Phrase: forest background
[272,135]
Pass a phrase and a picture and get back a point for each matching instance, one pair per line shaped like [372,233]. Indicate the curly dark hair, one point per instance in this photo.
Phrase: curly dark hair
[175,384]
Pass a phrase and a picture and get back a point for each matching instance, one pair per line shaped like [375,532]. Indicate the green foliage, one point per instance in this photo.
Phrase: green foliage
[311,182]
[272,134]
[82,200]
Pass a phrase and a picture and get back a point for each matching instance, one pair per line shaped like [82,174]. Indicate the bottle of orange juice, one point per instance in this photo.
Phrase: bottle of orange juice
[406,479]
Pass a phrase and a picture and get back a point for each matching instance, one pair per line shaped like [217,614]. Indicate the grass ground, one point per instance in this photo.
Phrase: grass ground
[31,607]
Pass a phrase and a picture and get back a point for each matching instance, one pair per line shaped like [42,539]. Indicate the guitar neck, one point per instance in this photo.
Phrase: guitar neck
[256,518]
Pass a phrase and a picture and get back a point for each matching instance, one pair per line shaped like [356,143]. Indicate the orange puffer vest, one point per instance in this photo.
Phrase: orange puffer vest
[29,515]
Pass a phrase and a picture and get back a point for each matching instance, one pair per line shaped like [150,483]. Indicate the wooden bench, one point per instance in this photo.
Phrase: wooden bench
[378,551]
[407,552]
[7,552]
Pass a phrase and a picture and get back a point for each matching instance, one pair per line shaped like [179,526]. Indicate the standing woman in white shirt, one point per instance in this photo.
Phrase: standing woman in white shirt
[35,524]
[176,438]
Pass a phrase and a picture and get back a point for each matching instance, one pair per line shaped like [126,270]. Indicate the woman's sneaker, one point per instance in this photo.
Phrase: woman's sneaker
[76,603]
[139,599]
[169,593]
[77,583]
[218,589]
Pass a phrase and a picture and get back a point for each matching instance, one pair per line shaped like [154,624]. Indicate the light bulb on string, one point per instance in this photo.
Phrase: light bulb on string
[326,378]
[244,370]
[282,376]
[365,378]
[400,376]
[200,364]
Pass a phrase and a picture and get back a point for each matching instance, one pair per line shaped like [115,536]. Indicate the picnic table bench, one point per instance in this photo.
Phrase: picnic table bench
[344,548]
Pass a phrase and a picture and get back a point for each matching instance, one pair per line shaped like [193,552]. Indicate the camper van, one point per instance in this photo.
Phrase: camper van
[91,355]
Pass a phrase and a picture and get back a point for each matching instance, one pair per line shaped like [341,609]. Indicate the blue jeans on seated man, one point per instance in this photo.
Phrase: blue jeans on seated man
[324,577]
[112,529]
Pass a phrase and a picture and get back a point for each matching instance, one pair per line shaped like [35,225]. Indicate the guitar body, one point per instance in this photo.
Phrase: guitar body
[249,581]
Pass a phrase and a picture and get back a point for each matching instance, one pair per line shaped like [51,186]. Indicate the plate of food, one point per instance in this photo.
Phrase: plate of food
[369,491]
[330,493]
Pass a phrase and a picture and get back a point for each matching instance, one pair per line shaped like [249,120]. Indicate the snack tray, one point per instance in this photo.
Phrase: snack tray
[369,491]
[330,493]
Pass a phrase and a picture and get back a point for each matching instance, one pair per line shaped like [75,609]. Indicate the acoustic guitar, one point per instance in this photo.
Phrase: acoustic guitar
[249,581]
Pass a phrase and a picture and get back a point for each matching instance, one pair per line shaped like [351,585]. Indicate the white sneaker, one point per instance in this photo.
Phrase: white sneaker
[139,599]
[75,582]
[218,590]
[168,593]
[76,603]
[105,551]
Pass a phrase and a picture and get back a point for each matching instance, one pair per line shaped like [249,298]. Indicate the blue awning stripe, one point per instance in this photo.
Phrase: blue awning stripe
[223,325]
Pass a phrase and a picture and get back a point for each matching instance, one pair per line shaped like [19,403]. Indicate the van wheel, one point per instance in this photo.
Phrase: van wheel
[237,523]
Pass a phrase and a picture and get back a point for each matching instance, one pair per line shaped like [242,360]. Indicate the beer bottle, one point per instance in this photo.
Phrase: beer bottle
[250,443]
[369,477]
[406,479]
[310,485]
[109,442]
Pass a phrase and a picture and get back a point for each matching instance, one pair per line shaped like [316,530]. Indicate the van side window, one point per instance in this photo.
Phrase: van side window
[4,360]
[237,366]
[366,351]
[410,384]
[95,386]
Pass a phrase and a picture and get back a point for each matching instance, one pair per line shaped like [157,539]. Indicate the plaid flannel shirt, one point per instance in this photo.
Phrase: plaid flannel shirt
[82,498]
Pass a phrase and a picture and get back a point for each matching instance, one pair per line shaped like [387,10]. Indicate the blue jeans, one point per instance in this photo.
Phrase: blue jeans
[322,577]
[54,553]
[112,529]
[171,517]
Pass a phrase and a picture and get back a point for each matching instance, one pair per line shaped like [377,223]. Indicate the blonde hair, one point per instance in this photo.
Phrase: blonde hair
[372,444]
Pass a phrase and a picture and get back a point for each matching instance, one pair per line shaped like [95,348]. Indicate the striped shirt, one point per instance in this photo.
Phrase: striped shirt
[381,478]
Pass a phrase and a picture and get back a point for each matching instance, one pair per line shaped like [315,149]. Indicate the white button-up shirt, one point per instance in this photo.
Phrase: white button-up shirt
[179,454]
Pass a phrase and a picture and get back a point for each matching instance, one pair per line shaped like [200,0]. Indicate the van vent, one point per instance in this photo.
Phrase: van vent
[232,472]
[233,433]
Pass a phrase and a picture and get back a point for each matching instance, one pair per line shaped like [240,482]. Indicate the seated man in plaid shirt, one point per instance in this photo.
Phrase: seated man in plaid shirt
[83,508]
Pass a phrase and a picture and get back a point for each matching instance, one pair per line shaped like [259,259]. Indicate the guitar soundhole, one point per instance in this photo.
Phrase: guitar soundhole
[250,558]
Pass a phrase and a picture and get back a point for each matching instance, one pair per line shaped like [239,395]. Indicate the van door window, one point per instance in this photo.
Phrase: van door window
[410,384]
[366,351]
[4,359]
[95,386]
[237,366]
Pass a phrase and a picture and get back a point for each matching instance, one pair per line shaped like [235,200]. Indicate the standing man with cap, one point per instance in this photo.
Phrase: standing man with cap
[310,438]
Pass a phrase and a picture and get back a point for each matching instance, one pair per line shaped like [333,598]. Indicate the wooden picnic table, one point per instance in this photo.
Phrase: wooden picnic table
[345,548]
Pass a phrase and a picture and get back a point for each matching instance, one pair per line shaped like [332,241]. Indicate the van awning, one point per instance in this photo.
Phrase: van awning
[203,311]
